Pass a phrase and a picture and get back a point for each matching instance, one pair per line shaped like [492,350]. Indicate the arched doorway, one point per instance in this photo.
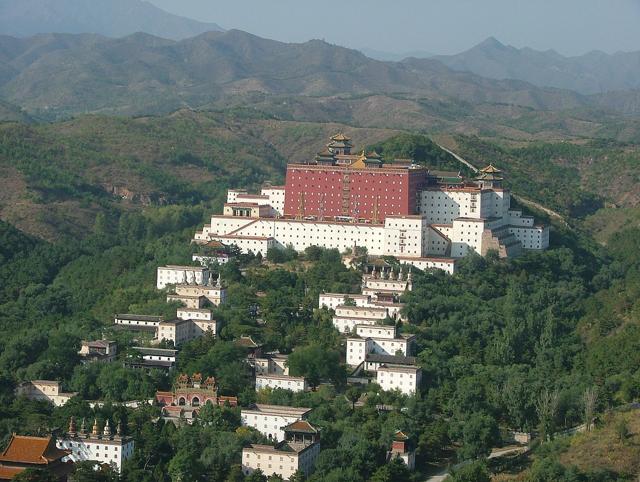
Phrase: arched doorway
[182,401]
[195,402]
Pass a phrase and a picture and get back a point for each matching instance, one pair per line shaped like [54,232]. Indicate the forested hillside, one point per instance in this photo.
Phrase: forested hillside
[91,206]
[56,177]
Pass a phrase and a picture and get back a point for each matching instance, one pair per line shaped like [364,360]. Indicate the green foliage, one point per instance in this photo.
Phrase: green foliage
[418,148]
[475,471]
[88,472]
[317,363]
[35,475]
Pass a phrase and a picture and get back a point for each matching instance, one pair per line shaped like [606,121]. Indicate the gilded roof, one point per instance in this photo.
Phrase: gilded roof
[490,169]
[340,137]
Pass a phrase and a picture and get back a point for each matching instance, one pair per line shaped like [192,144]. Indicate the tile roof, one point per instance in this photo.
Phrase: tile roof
[301,426]
[32,450]
[8,473]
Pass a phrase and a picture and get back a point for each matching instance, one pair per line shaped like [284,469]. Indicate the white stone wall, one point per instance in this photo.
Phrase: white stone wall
[535,237]
[120,321]
[276,198]
[168,358]
[232,195]
[172,275]
[459,216]
[194,314]
[377,331]
[366,312]
[333,300]
[206,260]
[406,380]
[295,384]
[466,236]
[380,284]
[283,463]
[405,236]
[346,324]
[443,206]
[447,265]
[383,346]
[357,349]
[268,423]
[206,326]
[113,452]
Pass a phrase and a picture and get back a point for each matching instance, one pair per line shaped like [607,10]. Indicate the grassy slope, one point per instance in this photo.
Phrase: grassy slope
[55,177]
[600,450]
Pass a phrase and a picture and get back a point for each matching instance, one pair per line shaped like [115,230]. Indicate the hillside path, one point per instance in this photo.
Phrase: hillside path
[520,199]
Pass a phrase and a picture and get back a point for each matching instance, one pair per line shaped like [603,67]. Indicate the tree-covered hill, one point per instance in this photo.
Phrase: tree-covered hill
[116,197]
[55,177]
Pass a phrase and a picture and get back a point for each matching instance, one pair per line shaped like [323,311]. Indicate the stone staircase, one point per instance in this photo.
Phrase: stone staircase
[501,240]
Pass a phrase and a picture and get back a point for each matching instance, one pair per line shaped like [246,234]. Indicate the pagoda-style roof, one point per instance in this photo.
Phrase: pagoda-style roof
[490,173]
[374,155]
[340,137]
[490,169]
[338,145]
[326,157]
[32,450]
[301,426]
[400,436]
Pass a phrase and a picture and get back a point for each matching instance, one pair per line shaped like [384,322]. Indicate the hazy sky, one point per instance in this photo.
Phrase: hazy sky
[440,26]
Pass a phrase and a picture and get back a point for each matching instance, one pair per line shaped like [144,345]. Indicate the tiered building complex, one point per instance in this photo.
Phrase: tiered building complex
[396,208]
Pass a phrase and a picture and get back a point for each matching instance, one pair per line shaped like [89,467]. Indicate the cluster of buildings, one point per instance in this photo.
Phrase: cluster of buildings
[340,199]
[194,288]
[271,371]
[57,454]
[99,445]
[393,208]
[369,322]
[295,442]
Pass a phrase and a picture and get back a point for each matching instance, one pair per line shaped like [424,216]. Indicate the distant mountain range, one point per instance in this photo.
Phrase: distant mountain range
[112,18]
[592,73]
[62,74]
[395,57]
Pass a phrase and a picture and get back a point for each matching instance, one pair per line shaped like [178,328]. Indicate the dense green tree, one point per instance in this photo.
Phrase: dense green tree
[316,363]
[475,471]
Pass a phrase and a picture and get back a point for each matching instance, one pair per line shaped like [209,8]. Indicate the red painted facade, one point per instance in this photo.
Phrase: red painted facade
[331,191]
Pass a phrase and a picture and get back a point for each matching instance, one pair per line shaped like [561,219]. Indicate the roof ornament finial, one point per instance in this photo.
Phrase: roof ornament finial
[95,430]
[107,429]
[119,428]
[83,427]
[72,426]
[219,281]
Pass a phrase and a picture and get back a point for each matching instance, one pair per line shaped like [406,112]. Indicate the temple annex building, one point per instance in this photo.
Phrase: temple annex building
[393,208]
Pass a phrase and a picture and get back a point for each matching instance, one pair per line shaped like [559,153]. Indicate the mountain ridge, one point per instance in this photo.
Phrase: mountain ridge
[64,74]
[111,18]
[594,72]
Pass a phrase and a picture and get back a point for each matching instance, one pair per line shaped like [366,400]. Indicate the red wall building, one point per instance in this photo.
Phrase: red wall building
[355,191]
